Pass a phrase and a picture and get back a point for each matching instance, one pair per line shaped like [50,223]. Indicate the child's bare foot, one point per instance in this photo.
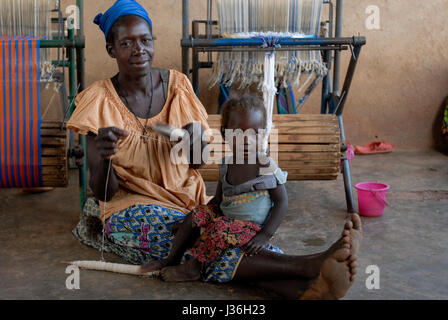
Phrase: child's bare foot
[154,265]
[189,271]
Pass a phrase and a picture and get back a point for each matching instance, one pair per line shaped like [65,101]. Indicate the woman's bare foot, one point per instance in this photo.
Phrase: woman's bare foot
[334,279]
[189,271]
[353,230]
[338,270]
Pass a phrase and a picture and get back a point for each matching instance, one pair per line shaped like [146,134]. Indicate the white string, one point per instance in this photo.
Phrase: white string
[104,209]
[163,140]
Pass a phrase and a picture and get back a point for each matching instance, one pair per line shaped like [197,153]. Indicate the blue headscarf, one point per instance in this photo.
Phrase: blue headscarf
[120,8]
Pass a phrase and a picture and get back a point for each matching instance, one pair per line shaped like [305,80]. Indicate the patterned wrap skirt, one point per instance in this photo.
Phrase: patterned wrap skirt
[219,233]
[142,233]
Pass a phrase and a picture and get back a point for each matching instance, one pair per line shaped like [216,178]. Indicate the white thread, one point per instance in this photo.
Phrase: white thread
[104,209]
[164,140]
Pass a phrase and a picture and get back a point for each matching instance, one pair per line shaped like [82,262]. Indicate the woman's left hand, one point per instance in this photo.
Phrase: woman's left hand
[256,244]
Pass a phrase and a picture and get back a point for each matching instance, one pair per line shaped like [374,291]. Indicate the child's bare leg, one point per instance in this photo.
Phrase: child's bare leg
[181,242]
[189,271]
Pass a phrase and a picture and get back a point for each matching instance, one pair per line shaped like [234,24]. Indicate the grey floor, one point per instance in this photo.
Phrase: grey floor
[408,243]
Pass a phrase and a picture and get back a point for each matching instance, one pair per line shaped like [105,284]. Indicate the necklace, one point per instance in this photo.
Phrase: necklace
[144,128]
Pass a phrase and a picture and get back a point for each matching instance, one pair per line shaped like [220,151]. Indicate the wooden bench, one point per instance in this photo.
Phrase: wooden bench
[309,146]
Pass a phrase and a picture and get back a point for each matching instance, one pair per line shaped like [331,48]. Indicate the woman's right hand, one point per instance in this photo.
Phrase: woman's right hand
[107,139]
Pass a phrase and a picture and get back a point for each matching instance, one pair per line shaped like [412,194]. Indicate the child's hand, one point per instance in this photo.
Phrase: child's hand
[256,244]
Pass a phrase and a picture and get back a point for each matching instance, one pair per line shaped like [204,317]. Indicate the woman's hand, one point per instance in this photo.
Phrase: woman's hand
[107,139]
[257,243]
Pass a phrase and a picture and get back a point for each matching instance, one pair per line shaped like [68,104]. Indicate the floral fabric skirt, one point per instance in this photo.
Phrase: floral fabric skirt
[219,233]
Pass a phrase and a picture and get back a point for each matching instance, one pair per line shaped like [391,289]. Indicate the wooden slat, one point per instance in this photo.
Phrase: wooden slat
[296,139]
[53,151]
[296,176]
[56,170]
[281,117]
[292,156]
[214,121]
[305,155]
[308,139]
[332,129]
[52,132]
[313,170]
[292,177]
[294,123]
[57,183]
[52,124]
[294,147]
[305,123]
[292,164]
[53,141]
[303,170]
[54,160]
[308,147]
[330,163]
[214,176]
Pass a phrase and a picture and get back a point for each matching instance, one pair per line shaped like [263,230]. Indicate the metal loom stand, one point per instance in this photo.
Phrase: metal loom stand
[333,99]
[74,44]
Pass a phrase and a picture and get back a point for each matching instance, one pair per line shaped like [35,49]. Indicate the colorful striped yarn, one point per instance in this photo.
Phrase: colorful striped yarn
[20,121]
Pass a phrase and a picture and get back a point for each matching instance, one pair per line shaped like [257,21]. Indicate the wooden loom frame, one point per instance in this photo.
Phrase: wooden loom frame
[332,101]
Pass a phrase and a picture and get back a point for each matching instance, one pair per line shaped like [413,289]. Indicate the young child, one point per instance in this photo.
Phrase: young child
[249,204]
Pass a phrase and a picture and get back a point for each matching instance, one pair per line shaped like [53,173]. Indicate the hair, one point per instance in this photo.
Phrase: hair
[114,29]
[242,102]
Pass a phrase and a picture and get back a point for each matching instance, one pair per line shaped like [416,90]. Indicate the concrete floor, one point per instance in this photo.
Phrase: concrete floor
[408,243]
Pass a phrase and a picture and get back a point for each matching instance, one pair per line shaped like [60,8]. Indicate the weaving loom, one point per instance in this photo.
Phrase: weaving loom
[278,44]
[269,20]
[25,17]
[33,150]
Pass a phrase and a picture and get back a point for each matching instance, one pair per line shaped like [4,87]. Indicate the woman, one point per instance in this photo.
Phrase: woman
[145,195]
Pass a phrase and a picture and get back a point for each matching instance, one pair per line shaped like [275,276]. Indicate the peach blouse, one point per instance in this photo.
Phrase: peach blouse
[145,172]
